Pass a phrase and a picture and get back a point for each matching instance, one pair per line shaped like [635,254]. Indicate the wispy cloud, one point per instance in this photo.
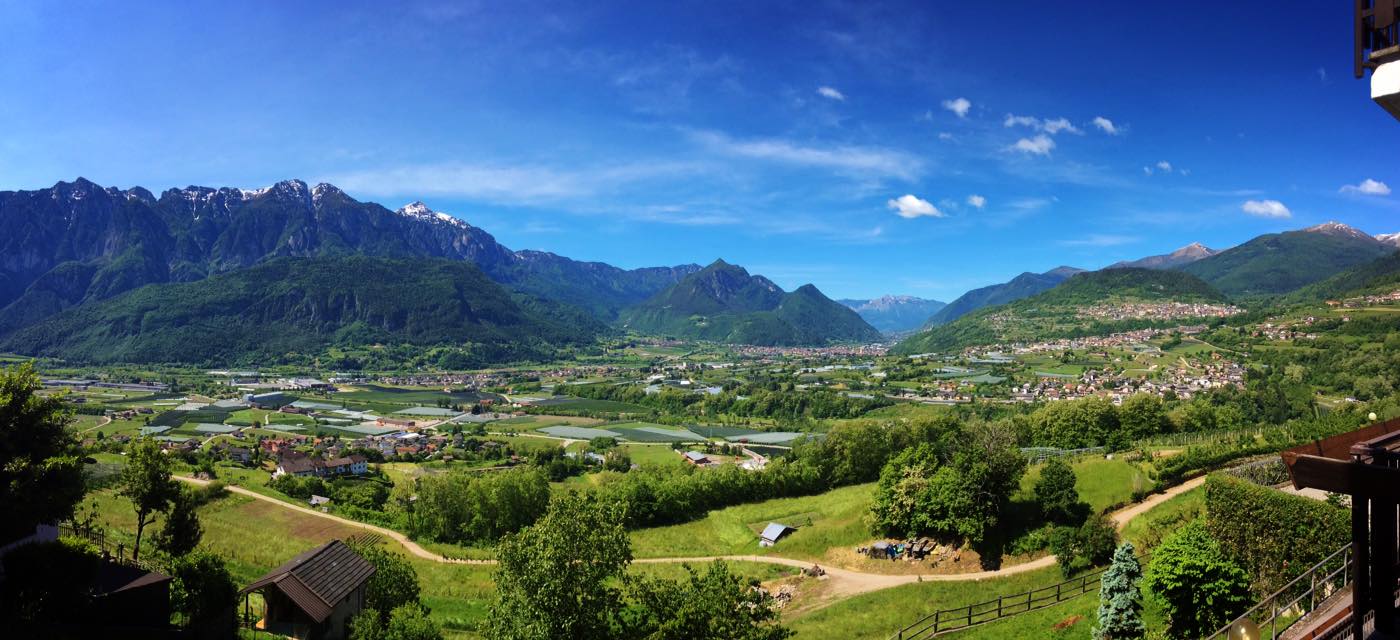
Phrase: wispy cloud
[1266,209]
[960,106]
[1161,165]
[1100,240]
[1047,125]
[911,206]
[1367,187]
[874,161]
[830,92]
[1040,145]
[500,183]
[1105,125]
[976,201]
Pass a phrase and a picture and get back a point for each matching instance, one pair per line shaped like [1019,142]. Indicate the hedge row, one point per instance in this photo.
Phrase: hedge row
[1274,535]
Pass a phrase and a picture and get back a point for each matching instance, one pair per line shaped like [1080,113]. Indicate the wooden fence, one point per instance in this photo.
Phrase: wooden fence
[949,620]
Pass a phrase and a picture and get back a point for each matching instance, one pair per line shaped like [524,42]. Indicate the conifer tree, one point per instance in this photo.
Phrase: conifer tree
[1120,600]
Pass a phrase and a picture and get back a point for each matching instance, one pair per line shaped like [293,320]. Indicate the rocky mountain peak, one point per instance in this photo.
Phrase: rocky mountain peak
[1334,228]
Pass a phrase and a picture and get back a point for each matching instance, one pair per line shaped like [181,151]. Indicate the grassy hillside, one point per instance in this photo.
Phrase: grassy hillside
[1022,286]
[304,305]
[722,302]
[1056,313]
[1377,276]
[1282,262]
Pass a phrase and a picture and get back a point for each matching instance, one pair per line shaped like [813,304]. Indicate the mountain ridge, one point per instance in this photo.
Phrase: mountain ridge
[895,313]
[121,239]
[1024,285]
[725,303]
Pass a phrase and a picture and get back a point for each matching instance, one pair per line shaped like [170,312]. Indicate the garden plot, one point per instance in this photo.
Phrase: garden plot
[363,429]
[151,431]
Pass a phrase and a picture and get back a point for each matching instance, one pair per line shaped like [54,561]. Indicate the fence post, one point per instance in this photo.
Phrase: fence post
[999,607]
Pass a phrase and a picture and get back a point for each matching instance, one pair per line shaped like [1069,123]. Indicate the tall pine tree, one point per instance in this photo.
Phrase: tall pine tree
[1120,600]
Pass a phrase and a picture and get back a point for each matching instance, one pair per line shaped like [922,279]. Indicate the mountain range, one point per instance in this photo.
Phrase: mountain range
[724,303]
[895,314]
[300,306]
[78,242]
[1277,263]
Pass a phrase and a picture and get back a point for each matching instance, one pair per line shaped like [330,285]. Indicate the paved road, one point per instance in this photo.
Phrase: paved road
[845,582]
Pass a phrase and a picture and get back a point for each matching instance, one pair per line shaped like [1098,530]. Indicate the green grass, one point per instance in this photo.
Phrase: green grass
[1147,530]
[1101,483]
[834,519]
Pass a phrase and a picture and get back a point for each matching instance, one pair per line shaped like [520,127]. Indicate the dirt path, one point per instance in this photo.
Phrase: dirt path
[102,422]
[844,583]
[408,545]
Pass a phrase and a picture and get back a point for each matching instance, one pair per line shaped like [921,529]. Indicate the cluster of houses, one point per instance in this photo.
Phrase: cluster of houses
[295,463]
[1366,301]
[1181,382]
[1282,331]
[1157,311]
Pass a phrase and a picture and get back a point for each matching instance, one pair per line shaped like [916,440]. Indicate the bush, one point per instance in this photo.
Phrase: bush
[48,581]
[1198,585]
[203,591]
[1056,494]
[1089,545]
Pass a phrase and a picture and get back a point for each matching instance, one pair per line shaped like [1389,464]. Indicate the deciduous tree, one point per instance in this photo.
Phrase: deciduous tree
[1200,588]
[146,482]
[41,473]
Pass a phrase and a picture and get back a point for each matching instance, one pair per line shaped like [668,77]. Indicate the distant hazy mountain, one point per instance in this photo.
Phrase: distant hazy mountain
[1055,313]
[303,305]
[892,314]
[78,242]
[1282,262]
[1024,285]
[1392,239]
[1181,257]
[722,302]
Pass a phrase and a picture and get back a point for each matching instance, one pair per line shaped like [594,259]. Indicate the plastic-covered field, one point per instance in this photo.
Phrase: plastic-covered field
[427,411]
[307,404]
[768,437]
[657,434]
[721,432]
[579,433]
[150,431]
[216,428]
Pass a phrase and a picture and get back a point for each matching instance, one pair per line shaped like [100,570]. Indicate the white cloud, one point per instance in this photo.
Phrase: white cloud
[945,136]
[830,92]
[1266,209]
[1147,170]
[1039,145]
[1047,125]
[976,201]
[1013,120]
[1105,125]
[1164,166]
[1368,187]
[504,184]
[912,206]
[863,160]
[1057,125]
[959,106]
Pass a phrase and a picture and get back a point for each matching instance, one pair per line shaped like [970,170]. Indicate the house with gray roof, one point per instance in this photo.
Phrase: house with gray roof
[314,595]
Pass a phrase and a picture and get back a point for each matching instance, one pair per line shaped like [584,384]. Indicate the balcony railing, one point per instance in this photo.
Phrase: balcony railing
[1277,612]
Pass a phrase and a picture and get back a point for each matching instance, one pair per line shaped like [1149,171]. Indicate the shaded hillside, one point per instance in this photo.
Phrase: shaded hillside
[1377,276]
[79,242]
[893,314]
[1282,262]
[1066,310]
[304,305]
[1025,285]
[722,302]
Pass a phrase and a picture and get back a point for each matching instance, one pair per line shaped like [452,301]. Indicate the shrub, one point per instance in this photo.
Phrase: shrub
[1199,587]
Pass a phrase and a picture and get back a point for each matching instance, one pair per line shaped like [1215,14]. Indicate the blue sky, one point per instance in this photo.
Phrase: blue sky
[920,148]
